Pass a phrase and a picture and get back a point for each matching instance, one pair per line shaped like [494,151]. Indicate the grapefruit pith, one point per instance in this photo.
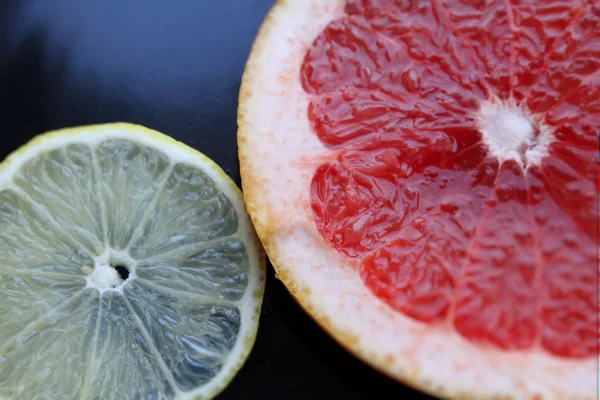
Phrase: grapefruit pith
[424,177]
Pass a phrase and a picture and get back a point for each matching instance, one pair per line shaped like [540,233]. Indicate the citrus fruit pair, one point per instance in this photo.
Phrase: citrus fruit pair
[423,175]
[128,269]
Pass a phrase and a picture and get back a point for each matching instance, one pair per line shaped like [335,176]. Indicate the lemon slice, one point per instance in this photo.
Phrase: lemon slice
[128,269]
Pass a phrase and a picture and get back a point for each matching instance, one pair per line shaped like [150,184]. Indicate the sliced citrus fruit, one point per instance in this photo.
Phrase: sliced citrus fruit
[128,269]
[423,175]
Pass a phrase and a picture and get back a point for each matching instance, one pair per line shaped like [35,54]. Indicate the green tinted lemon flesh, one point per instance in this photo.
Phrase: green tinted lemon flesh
[128,269]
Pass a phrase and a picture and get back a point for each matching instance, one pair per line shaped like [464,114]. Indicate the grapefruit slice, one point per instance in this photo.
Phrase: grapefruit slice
[129,269]
[423,175]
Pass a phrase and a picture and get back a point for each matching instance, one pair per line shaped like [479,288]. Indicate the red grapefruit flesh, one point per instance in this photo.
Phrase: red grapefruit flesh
[435,243]
[444,153]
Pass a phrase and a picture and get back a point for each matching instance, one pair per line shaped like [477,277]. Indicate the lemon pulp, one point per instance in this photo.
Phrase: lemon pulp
[128,269]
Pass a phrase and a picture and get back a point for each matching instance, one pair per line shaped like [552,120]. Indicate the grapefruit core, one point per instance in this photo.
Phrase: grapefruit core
[423,175]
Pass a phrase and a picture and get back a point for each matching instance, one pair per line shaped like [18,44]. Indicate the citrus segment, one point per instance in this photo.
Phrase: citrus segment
[418,271]
[426,41]
[575,118]
[127,208]
[580,160]
[372,80]
[568,280]
[541,25]
[378,187]
[217,269]
[202,213]
[120,338]
[32,295]
[193,337]
[77,211]
[132,255]
[576,196]
[442,159]
[30,237]
[572,62]
[56,347]
[495,297]
[486,30]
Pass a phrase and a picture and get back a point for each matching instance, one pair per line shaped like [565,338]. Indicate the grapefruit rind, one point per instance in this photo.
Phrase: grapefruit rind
[279,155]
[250,304]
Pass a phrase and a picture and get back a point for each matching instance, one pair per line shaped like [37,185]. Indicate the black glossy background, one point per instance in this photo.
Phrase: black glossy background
[174,66]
